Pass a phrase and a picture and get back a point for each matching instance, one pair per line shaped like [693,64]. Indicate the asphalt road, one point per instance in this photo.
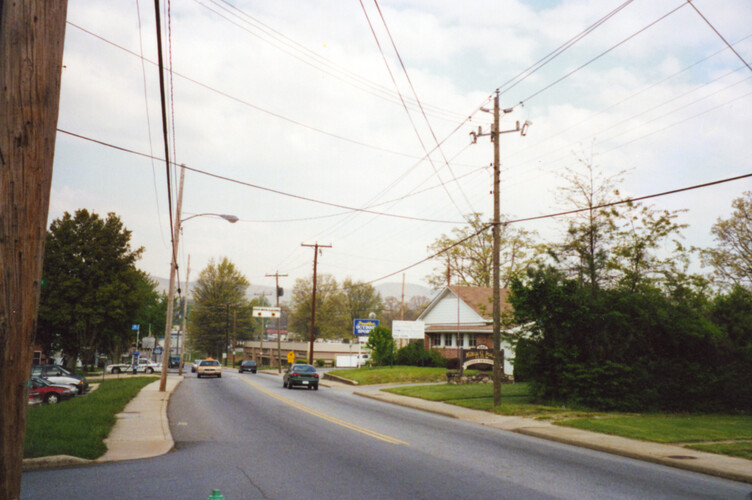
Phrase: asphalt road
[250,438]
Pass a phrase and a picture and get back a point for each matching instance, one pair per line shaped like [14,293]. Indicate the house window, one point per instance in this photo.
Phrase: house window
[442,340]
[470,340]
[37,358]
[451,340]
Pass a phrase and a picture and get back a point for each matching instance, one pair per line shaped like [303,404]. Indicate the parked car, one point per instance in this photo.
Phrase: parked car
[247,365]
[174,362]
[50,393]
[304,375]
[56,374]
[195,364]
[209,368]
[144,366]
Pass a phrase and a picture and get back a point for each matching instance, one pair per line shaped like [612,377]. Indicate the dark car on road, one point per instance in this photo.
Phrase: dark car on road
[247,365]
[304,375]
[174,362]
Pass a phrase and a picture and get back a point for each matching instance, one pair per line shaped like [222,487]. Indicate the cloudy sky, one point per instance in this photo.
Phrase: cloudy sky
[288,117]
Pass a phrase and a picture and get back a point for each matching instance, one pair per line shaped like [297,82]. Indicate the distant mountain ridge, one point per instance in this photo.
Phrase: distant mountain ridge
[255,291]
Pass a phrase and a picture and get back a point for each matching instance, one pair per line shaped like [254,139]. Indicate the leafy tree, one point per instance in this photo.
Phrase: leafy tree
[220,291]
[381,343]
[332,317]
[152,314]
[360,299]
[471,261]
[393,309]
[93,290]
[732,258]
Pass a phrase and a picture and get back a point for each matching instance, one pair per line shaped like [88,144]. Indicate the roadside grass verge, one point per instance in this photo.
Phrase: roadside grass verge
[723,434]
[78,427]
[741,449]
[392,375]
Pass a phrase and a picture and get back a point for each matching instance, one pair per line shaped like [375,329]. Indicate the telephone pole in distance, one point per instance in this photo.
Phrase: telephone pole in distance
[278,293]
[316,247]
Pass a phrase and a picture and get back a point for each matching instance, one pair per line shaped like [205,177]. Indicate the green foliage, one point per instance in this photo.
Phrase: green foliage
[731,259]
[381,343]
[219,299]
[633,350]
[58,430]
[415,354]
[470,258]
[94,291]
[332,321]
[320,363]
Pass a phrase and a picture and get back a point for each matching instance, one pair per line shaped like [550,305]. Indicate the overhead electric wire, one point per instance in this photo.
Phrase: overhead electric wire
[409,116]
[329,68]
[420,105]
[164,127]
[263,188]
[530,70]
[719,35]
[560,214]
[528,98]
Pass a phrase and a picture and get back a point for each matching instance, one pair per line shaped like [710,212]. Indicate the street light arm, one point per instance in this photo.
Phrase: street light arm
[232,219]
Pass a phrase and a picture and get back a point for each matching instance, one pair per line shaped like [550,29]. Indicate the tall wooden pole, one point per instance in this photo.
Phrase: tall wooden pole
[496,263]
[31,56]
[171,290]
[279,334]
[185,314]
[316,247]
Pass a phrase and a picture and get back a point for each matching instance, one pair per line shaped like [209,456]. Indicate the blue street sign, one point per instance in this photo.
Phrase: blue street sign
[364,326]
[134,326]
[157,350]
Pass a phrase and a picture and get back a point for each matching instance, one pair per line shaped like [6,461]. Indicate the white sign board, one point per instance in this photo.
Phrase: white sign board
[408,330]
[147,342]
[266,312]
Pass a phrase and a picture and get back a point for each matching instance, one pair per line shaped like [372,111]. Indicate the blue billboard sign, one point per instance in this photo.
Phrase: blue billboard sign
[364,326]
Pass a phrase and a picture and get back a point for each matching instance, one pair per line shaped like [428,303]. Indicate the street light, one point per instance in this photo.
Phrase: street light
[173,270]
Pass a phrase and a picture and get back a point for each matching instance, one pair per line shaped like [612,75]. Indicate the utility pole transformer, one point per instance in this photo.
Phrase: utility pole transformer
[316,247]
[31,57]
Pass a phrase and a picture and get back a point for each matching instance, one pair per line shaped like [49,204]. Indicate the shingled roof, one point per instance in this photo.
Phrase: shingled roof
[480,299]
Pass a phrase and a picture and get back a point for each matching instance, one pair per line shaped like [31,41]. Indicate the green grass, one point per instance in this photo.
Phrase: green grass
[392,375]
[741,449]
[669,428]
[733,433]
[79,426]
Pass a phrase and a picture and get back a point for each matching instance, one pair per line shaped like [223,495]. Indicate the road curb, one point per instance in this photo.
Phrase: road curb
[53,461]
[723,466]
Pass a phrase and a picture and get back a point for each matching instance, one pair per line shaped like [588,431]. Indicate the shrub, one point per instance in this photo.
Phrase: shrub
[415,354]
[320,363]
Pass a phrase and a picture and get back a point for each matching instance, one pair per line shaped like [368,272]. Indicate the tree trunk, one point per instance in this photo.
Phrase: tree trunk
[31,55]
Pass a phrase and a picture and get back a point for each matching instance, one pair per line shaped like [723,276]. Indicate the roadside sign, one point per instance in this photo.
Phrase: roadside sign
[157,350]
[135,326]
[410,330]
[364,326]
[291,357]
[266,312]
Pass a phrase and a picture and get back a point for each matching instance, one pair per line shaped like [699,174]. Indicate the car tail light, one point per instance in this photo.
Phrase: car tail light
[315,375]
[293,374]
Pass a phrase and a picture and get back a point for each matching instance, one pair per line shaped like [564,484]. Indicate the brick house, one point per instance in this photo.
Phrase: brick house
[461,317]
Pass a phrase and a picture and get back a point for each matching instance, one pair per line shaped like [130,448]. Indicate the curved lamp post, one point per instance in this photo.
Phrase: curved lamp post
[173,271]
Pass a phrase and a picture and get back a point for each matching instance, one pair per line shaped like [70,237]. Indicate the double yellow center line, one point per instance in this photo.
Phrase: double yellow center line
[329,418]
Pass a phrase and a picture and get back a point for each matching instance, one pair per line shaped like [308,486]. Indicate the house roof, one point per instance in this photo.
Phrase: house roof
[477,299]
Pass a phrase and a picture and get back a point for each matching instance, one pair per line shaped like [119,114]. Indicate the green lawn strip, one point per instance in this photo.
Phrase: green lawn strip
[446,392]
[741,449]
[669,428]
[392,375]
[78,427]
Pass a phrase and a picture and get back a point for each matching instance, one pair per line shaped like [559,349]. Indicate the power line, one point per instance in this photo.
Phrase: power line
[560,214]
[600,55]
[719,34]
[263,188]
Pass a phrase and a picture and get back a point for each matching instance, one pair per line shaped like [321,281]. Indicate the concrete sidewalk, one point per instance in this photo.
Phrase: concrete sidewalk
[737,469]
[142,430]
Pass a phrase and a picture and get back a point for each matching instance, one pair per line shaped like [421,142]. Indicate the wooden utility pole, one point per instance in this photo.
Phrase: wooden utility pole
[263,324]
[185,314]
[277,292]
[171,289]
[31,56]
[316,247]
[495,133]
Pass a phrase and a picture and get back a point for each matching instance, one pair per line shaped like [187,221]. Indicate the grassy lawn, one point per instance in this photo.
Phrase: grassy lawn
[79,426]
[724,434]
[392,375]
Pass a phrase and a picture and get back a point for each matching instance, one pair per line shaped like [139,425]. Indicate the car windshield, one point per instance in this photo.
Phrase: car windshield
[304,369]
[210,363]
[249,363]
